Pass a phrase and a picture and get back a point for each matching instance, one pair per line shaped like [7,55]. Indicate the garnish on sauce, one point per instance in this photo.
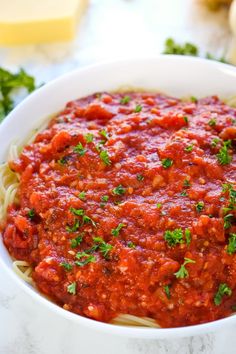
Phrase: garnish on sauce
[223,290]
[183,272]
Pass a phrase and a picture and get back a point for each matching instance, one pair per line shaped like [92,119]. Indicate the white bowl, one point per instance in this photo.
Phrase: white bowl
[174,75]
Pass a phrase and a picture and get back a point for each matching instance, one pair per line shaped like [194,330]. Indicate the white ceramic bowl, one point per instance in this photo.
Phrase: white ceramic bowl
[174,75]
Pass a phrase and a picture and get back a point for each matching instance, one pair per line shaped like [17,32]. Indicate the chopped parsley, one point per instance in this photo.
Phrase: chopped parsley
[212,122]
[130,244]
[66,266]
[63,160]
[31,214]
[171,47]
[173,237]
[87,258]
[125,100]
[188,236]
[184,194]
[228,221]
[104,156]
[214,142]
[189,148]
[78,212]
[104,133]
[73,228]
[231,248]
[82,195]
[87,219]
[223,290]
[183,272]
[186,183]
[158,205]
[71,288]
[140,177]
[185,119]
[105,198]
[115,232]
[193,99]
[166,163]
[80,150]
[75,242]
[223,155]
[120,190]
[89,138]
[167,291]
[103,247]
[138,108]
[200,206]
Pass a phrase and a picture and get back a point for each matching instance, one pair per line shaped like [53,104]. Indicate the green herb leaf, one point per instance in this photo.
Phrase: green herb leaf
[212,122]
[188,236]
[75,242]
[140,177]
[78,212]
[184,194]
[105,198]
[89,138]
[166,163]
[189,148]
[66,266]
[104,156]
[80,150]
[130,244]
[167,291]
[193,99]
[158,205]
[138,108]
[223,155]
[63,161]
[183,272]
[71,288]
[87,219]
[200,206]
[223,290]
[103,247]
[31,214]
[82,195]
[173,237]
[120,190]
[228,221]
[231,248]
[104,133]
[88,258]
[171,47]
[214,142]
[125,100]
[186,183]
[73,228]
[115,232]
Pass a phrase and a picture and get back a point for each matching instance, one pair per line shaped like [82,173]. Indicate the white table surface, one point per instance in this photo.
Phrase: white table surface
[110,29]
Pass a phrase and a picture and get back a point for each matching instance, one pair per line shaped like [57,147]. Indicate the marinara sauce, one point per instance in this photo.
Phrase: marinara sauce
[127,206]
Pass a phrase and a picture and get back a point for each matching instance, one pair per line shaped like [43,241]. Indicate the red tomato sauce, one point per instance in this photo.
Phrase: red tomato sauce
[127,205]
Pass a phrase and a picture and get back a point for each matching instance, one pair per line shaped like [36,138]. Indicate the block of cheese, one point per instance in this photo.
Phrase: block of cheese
[38,21]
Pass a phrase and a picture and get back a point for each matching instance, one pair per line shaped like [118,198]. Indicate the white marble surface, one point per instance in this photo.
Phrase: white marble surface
[111,29]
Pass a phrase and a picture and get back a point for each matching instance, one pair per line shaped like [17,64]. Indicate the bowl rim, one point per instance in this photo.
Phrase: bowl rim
[124,331]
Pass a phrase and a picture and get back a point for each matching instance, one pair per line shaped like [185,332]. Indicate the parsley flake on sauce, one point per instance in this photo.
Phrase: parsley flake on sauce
[167,291]
[104,133]
[188,236]
[189,148]
[158,205]
[138,108]
[228,221]
[231,248]
[89,138]
[173,237]
[86,259]
[212,122]
[200,206]
[125,100]
[104,156]
[183,272]
[78,212]
[103,247]
[80,150]
[130,244]
[120,190]
[66,266]
[75,242]
[223,155]
[140,177]
[71,288]
[82,195]
[223,290]
[31,214]
[166,163]
[186,183]
[73,228]
[115,232]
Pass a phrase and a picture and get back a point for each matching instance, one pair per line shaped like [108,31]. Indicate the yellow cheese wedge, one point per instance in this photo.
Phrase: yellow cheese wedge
[38,21]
